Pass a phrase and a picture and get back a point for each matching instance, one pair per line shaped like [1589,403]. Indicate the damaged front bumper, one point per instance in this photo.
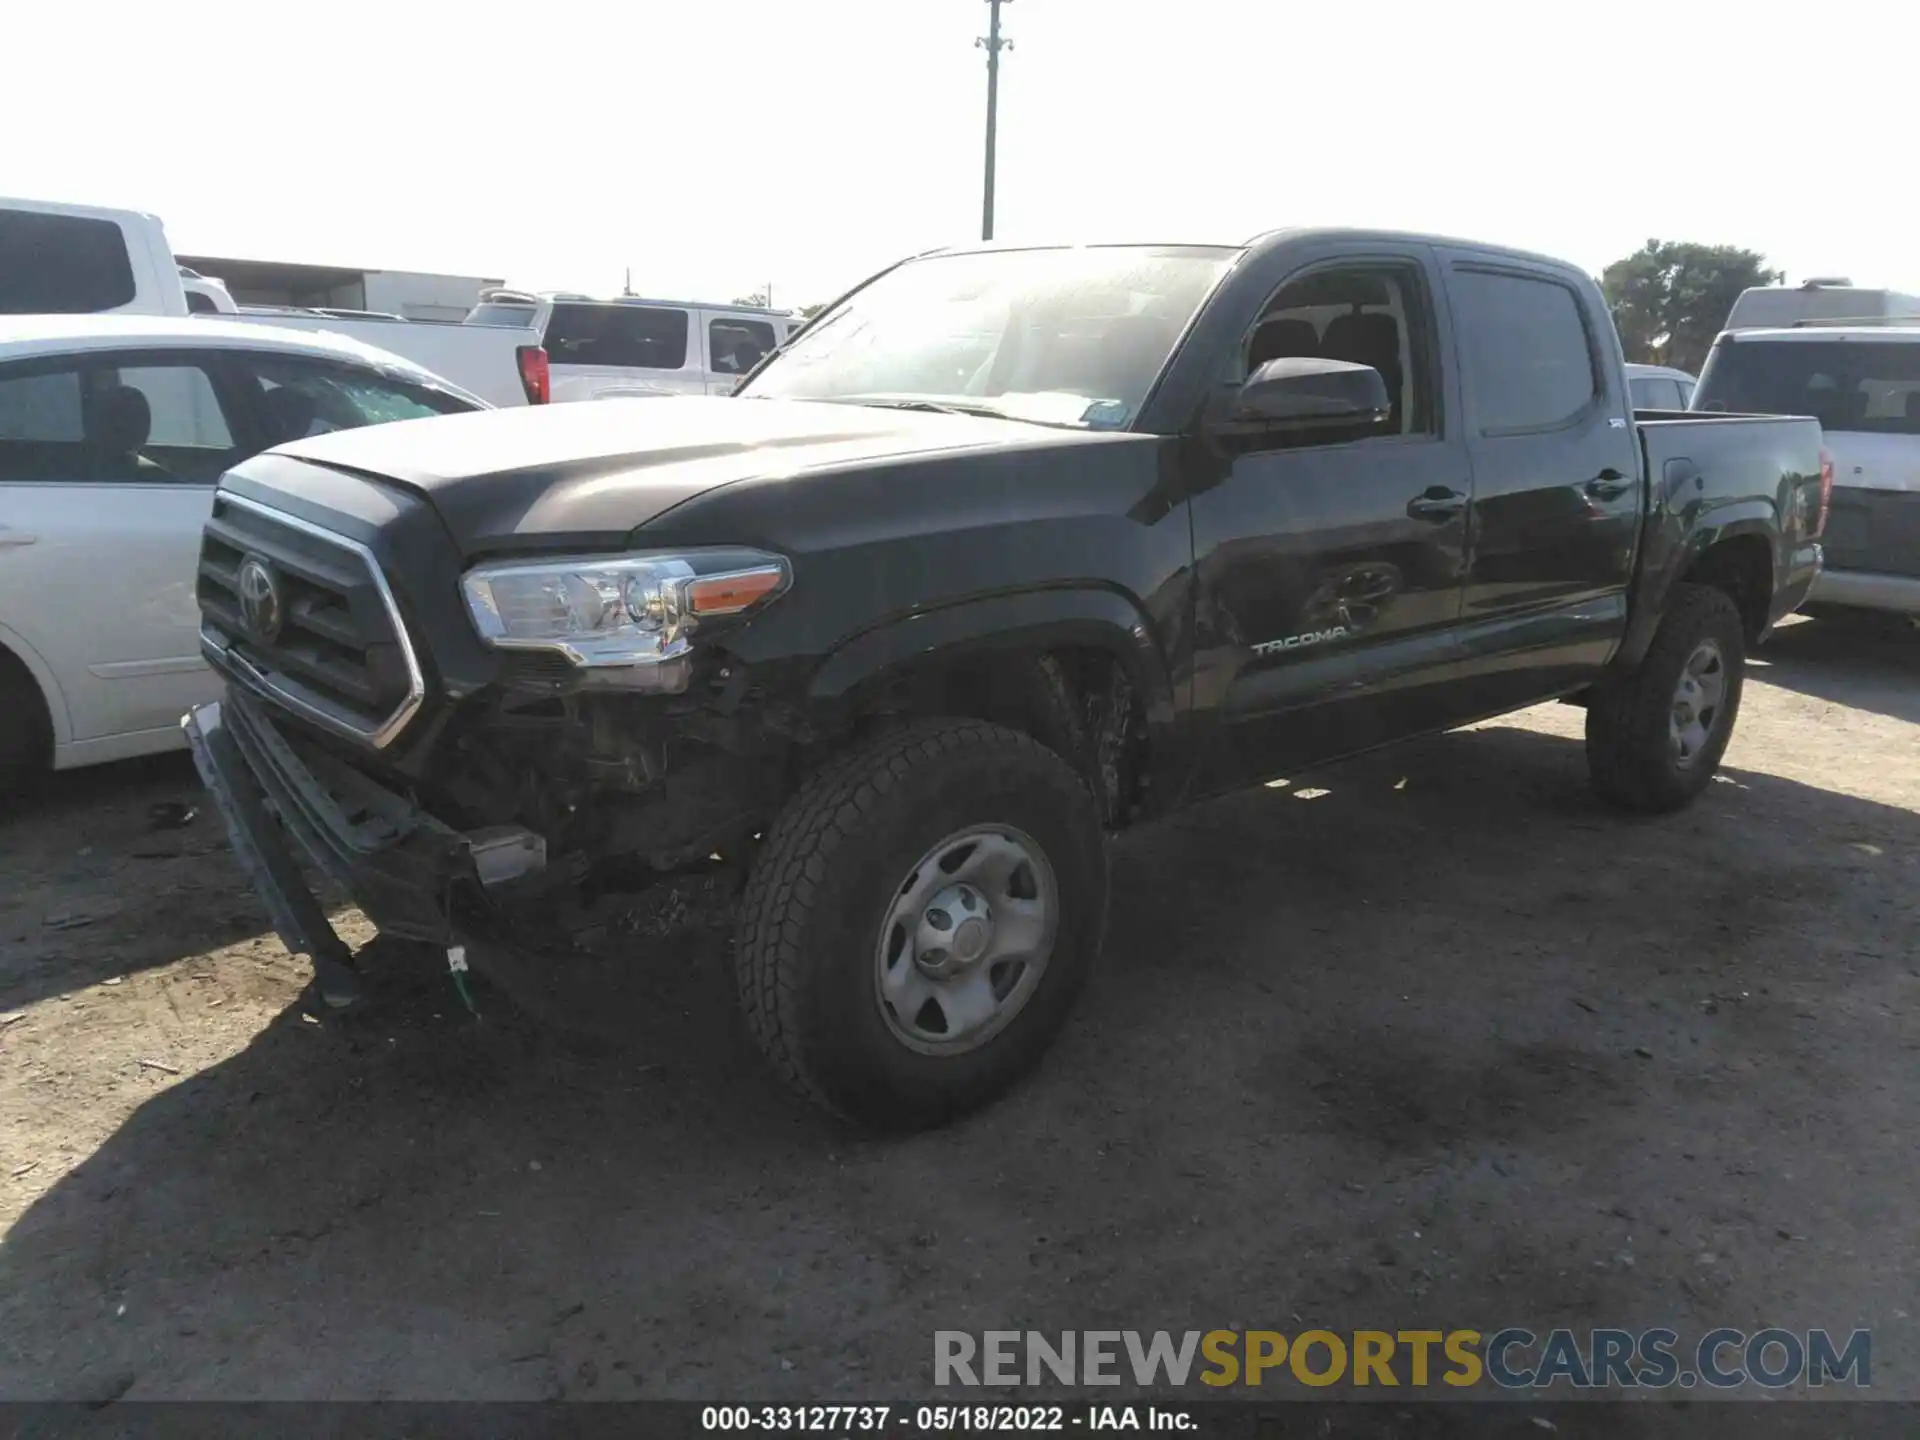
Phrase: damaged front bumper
[404,869]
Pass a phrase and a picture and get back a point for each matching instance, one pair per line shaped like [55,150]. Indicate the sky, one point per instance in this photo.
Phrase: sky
[719,146]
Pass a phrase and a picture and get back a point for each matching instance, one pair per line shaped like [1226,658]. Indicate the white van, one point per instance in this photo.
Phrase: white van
[606,349]
[1770,307]
[60,259]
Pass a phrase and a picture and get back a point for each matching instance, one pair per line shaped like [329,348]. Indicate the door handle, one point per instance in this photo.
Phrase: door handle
[1609,485]
[11,536]
[1436,503]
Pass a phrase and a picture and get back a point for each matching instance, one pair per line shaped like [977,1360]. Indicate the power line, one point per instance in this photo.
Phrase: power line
[993,44]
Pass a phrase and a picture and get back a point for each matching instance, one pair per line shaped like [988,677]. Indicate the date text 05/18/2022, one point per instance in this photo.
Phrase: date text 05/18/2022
[941,1419]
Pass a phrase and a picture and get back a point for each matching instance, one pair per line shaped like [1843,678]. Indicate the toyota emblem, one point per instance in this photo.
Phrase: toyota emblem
[260,604]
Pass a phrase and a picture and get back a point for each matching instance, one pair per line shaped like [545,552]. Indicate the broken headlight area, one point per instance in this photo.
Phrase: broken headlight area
[620,622]
[646,809]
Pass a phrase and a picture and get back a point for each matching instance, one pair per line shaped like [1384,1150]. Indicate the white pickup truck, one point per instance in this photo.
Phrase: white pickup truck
[80,259]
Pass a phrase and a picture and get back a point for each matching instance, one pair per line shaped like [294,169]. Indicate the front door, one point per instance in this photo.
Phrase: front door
[1329,573]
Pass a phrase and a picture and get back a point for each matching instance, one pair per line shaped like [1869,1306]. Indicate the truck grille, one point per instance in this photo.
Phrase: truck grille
[305,617]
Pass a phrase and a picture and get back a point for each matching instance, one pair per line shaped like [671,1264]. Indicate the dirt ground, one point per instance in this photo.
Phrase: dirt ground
[1427,1040]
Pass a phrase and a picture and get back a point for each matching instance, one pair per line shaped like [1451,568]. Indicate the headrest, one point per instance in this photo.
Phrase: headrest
[1365,339]
[119,421]
[1282,339]
[292,413]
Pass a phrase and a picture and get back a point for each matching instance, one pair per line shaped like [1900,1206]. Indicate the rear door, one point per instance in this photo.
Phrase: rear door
[1865,392]
[599,350]
[1557,500]
[107,468]
[735,344]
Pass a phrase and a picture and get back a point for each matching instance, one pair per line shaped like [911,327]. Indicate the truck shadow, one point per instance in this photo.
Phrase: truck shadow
[1865,665]
[112,870]
[1316,998]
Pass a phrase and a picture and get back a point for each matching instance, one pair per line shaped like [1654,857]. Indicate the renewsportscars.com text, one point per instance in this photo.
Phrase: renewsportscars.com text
[1511,1358]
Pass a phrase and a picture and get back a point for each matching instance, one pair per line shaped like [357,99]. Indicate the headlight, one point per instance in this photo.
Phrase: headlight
[626,620]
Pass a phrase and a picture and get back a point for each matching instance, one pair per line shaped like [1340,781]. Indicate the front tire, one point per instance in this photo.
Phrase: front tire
[26,734]
[1655,736]
[919,920]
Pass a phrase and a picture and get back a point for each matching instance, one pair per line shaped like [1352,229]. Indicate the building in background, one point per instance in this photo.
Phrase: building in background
[414,294]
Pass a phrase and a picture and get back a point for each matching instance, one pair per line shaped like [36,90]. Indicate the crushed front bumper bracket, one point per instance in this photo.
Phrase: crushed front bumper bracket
[284,799]
[261,848]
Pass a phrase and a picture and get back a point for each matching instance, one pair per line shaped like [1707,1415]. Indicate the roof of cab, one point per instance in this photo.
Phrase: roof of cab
[1267,239]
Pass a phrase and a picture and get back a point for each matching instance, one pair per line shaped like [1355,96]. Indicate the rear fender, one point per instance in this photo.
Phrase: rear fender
[1675,545]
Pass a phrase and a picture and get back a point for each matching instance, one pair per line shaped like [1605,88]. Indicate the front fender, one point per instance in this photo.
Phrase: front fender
[1026,620]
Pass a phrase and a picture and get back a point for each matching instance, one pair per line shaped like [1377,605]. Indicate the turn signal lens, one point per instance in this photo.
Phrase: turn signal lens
[730,594]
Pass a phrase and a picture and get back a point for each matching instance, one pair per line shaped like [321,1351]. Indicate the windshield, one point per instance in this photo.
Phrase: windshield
[1066,337]
[1860,385]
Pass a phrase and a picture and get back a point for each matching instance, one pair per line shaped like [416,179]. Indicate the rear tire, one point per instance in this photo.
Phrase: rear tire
[864,1011]
[1655,736]
[26,734]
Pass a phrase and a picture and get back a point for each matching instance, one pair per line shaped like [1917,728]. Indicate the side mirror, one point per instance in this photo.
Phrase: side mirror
[1307,392]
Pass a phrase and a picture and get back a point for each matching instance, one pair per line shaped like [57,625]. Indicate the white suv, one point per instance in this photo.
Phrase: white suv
[1862,382]
[605,349]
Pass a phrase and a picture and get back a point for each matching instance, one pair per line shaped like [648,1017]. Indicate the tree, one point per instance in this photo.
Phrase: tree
[1670,298]
[756,301]
[807,312]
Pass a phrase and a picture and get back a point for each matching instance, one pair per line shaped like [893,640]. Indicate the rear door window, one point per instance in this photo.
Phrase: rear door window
[629,337]
[496,313]
[1656,392]
[737,345]
[1860,385]
[62,264]
[1527,351]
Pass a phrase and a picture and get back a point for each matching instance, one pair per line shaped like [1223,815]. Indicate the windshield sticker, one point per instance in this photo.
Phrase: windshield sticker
[1106,415]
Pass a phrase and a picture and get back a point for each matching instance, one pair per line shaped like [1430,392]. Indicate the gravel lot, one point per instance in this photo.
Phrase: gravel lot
[1425,1040]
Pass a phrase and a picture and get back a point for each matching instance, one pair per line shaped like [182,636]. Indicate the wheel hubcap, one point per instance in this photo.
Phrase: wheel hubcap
[1697,703]
[966,940]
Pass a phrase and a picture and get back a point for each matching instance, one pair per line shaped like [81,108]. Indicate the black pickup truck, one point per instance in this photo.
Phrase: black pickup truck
[1007,550]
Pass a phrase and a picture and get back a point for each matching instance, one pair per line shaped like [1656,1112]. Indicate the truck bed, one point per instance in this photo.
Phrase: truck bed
[1701,471]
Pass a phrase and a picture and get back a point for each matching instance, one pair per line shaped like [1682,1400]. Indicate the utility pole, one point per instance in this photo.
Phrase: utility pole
[993,45]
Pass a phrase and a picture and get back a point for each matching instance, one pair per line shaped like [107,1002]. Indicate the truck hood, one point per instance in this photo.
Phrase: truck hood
[589,473]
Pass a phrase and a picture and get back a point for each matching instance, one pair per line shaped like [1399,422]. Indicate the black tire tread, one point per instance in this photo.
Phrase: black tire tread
[1627,716]
[827,810]
[26,732]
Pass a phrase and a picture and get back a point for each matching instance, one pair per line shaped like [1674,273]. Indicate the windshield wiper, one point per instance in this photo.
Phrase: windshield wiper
[937,407]
[945,407]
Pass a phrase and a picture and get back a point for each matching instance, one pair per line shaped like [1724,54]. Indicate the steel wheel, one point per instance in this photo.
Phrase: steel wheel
[966,940]
[1696,702]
